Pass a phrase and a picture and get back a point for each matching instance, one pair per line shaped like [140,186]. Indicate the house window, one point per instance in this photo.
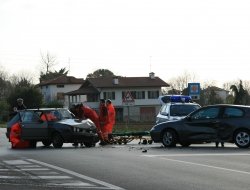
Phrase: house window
[60,96]
[60,86]
[136,94]
[109,95]
[92,98]
[153,94]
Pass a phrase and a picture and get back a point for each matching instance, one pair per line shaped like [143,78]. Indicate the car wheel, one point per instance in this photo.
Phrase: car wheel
[46,143]
[89,144]
[33,144]
[169,138]
[150,141]
[242,138]
[57,141]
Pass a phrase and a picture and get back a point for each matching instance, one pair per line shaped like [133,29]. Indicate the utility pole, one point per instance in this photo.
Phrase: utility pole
[150,69]
[69,65]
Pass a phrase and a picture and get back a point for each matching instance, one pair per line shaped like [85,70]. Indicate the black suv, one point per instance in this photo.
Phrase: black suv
[61,128]
[215,123]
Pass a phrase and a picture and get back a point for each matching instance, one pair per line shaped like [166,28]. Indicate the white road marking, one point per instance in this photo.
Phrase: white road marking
[4,170]
[35,177]
[29,166]
[34,169]
[208,166]
[73,184]
[163,157]
[110,186]
[51,177]
[194,155]
[10,177]
[10,170]
[16,162]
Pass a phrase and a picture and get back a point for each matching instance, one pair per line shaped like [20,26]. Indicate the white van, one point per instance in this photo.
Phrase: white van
[175,107]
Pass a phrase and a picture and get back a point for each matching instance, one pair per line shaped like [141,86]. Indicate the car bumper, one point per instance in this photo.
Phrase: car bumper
[81,137]
[155,135]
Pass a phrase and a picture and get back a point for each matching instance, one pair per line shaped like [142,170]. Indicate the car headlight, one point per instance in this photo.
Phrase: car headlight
[160,120]
[76,129]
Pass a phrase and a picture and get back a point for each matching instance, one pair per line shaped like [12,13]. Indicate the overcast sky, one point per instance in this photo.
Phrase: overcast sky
[129,37]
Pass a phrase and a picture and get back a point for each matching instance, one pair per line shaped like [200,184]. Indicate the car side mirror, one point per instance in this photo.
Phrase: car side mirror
[165,113]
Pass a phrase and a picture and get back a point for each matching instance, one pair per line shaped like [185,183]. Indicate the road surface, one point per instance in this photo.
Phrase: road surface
[131,166]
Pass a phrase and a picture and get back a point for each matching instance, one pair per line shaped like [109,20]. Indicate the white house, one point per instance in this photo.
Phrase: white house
[134,98]
[219,92]
[54,89]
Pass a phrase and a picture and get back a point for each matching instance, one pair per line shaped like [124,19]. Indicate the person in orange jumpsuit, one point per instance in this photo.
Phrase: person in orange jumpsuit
[87,112]
[48,117]
[111,116]
[103,119]
[15,139]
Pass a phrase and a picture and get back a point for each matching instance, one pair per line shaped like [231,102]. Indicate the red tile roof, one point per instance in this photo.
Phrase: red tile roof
[108,82]
[62,80]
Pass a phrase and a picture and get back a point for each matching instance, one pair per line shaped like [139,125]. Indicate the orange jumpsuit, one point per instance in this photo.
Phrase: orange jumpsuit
[91,114]
[48,117]
[15,139]
[103,119]
[111,117]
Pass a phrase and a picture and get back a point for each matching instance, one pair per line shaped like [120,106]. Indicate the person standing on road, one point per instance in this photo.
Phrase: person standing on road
[111,116]
[103,120]
[217,144]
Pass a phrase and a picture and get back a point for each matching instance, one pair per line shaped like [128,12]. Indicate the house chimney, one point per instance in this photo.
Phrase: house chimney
[152,75]
[115,80]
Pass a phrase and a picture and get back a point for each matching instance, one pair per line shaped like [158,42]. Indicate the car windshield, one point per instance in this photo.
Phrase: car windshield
[64,114]
[182,110]
[55,115]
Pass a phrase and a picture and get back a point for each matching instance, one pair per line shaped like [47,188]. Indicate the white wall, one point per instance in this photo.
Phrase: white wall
[50,92]
[119,99]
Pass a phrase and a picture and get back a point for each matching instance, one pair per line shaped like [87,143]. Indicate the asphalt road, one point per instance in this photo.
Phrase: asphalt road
[130,166]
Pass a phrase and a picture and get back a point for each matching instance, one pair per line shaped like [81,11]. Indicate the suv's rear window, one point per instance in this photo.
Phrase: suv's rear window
[182,110]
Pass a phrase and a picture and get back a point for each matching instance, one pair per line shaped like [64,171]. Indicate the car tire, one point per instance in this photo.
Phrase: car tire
[33,144]
[89,144]
[242,138]
[169,138]
[57,141]
[150,141]
[46,143]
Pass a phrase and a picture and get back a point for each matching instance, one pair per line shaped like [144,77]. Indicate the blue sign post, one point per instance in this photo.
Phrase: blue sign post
[194,90]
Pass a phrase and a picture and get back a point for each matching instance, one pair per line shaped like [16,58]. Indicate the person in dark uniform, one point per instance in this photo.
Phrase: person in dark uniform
[20,104]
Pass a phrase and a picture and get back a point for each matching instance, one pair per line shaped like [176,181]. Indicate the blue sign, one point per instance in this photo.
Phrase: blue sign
[194,90]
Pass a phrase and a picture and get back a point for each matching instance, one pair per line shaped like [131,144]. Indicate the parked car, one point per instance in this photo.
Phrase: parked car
[175,107]
[215,123]
[53,126]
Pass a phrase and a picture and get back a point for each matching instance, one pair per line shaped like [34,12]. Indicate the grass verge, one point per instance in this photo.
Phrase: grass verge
[2,125]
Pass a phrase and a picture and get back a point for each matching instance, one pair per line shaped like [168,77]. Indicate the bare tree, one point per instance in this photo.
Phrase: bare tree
[207,84]
[227,85]
[48,60]
[180,83]
[22,79]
